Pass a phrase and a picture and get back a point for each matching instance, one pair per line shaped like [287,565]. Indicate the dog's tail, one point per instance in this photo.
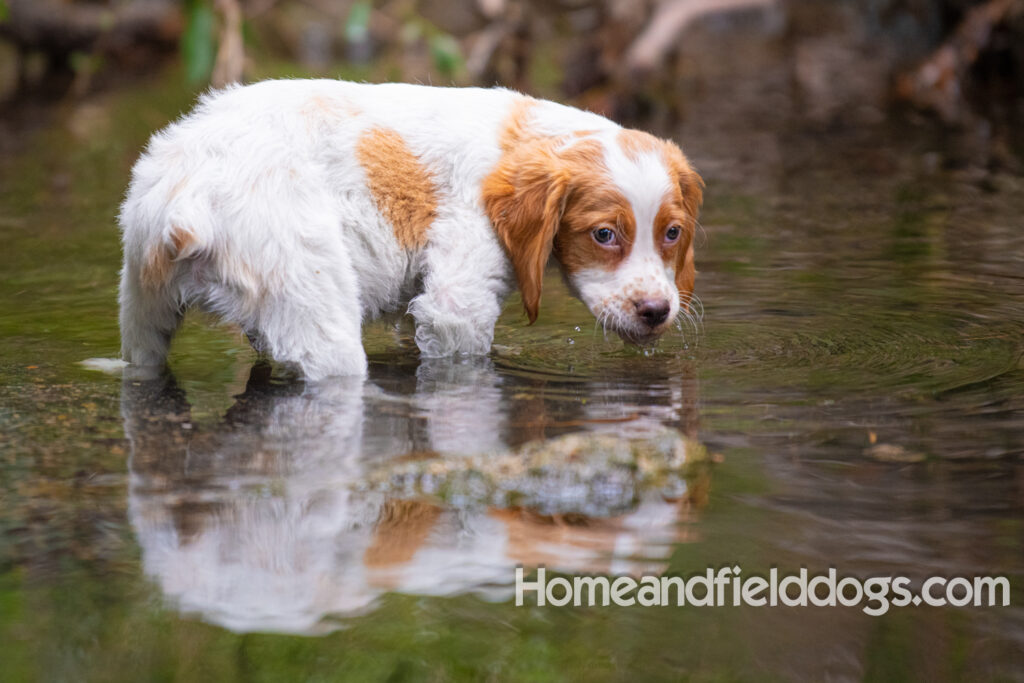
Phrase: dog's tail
[165,222]
[176,243]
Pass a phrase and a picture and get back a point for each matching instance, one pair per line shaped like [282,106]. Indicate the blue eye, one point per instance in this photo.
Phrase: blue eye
[672,234]
[604,235]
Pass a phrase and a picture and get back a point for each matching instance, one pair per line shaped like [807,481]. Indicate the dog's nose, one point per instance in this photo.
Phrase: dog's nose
[652,311]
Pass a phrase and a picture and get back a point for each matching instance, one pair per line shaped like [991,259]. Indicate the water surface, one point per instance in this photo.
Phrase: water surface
[853,399]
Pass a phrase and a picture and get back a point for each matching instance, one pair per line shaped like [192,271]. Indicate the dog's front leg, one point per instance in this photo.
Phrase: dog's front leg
[466,277]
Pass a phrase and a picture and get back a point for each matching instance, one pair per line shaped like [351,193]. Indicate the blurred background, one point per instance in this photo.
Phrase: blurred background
[854,398]
[957,64]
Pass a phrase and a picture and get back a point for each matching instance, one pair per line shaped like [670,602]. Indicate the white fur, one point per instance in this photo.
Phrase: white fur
[610,294]
[288,243]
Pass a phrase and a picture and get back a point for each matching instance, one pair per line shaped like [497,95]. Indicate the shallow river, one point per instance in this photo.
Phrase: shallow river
[853,398]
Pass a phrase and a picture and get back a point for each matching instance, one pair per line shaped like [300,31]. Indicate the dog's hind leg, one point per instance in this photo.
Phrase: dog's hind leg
[314,326]
[290,284]
[148,321]
[152,299]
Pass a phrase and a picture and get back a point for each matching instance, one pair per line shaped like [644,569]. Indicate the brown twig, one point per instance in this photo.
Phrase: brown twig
[59,28]
[670,19]
[231,52]
[938,82]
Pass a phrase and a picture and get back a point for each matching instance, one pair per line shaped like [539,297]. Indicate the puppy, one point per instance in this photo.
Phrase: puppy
[299,208]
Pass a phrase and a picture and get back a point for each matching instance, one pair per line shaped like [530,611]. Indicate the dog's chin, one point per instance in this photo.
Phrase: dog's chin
[640,337]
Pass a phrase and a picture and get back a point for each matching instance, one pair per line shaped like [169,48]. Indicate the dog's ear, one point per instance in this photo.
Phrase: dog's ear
[691,186]
[525,198]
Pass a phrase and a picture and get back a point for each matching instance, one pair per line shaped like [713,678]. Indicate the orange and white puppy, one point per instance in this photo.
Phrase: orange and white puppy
[299,208]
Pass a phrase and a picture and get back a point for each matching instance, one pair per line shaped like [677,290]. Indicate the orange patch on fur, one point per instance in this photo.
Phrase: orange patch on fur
[402,187]
[321,111]
[597,204]
[159,263]
[515,129]
[181,240]
[689,199]
[538,187]
[636,142]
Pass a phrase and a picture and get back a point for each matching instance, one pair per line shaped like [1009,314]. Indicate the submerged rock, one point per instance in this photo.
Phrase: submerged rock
[588,473]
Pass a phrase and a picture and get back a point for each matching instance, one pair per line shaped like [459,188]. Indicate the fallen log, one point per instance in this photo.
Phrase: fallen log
[937,83]
[59,28]
[671,17]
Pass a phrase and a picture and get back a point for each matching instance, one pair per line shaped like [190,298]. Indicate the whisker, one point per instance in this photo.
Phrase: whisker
[703,233]
[697,304]
[602,320]
[692,301]
[691,313]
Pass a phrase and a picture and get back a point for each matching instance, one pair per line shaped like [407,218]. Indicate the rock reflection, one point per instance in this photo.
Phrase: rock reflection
[307,502]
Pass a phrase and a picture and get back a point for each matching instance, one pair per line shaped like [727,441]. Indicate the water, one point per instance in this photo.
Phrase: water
[853,399]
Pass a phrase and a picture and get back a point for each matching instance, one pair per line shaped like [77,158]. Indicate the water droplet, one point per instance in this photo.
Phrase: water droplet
[570,341]
[577,328]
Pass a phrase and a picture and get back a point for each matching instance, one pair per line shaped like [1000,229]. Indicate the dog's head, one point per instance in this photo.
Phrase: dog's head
[618,210]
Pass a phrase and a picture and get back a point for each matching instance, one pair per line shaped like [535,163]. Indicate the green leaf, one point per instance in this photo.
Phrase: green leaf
[357,26]
[5,11]
[197,42]
[83,62]
[446,54]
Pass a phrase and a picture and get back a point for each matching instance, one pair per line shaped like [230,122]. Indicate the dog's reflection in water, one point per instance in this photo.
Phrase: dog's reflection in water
[269,519]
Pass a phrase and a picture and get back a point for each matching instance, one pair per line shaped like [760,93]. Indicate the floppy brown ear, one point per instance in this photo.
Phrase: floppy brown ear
[692,188]
[525,198]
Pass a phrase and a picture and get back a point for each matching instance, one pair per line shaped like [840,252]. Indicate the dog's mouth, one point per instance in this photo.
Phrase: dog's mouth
[632,328]
[641,336]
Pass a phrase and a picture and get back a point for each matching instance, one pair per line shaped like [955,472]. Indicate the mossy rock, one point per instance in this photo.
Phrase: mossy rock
[589,473]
